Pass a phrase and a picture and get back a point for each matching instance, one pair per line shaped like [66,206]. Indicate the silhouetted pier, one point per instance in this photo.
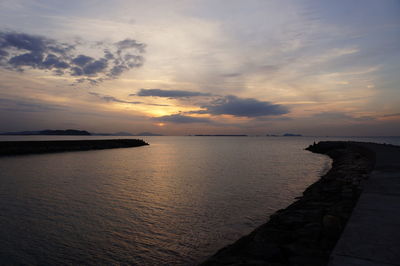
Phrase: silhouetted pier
[35,147]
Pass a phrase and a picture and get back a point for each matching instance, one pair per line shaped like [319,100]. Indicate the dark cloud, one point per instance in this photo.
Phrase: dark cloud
[77,71]
[25,42]
[129,43]
[95,67]
[181,119]
[117,70]
[82,60]
[230,105]
[242,107]
[33,60]
[108,54]
[53,61]
[20,51]
[3,54]
[108,98]
[169,93]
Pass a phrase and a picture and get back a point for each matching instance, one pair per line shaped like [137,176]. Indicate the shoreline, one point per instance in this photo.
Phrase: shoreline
[14,148]
[306,232]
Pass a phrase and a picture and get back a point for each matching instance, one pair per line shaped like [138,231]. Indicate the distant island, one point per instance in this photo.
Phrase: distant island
[291,135]
[77,132]
[284,135]
[74,132]
[220,135]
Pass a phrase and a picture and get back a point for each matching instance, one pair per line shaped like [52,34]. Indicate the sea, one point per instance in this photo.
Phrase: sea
[174,202]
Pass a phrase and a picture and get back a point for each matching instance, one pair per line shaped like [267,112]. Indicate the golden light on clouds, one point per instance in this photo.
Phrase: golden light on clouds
[196,58]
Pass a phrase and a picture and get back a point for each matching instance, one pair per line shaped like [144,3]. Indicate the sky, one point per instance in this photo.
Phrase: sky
[201,66]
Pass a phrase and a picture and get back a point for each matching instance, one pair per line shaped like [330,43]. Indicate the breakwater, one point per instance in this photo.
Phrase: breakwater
[306,232]
[8,148]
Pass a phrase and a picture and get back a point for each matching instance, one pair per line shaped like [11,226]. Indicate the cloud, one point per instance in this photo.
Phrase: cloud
[231,75]
[129,43]
[95,67]
[108,98]
[391,115]
[341,116]
[27,105]
[242,107]
[278,119]
[332,115]
[82,60]
[181,119]
[169,93]
[52,61]
[20,51]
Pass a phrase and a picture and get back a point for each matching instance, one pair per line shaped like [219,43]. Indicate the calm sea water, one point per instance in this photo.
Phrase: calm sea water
[174,202]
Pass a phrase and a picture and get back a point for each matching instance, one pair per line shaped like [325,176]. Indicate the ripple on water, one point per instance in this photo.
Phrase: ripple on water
[174,202]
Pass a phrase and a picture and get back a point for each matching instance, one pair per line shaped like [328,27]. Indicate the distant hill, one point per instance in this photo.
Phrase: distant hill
[69,132]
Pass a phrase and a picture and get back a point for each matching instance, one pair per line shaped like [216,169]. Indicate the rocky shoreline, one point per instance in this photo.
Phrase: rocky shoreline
[10,148]
[306,232]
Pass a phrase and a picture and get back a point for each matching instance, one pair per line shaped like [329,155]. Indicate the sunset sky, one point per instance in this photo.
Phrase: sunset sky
[201,67]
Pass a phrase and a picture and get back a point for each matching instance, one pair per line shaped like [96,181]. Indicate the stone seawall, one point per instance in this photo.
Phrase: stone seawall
[8,148]
[306,232]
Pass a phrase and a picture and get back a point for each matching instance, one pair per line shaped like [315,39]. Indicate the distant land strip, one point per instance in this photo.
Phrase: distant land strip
[221,135]
[8,148]
[306,232]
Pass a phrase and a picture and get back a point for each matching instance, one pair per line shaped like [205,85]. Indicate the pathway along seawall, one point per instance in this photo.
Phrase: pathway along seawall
[306,232]
[8,148]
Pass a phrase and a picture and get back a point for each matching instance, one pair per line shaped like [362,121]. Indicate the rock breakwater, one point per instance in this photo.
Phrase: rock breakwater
[8,148]
[306,232]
